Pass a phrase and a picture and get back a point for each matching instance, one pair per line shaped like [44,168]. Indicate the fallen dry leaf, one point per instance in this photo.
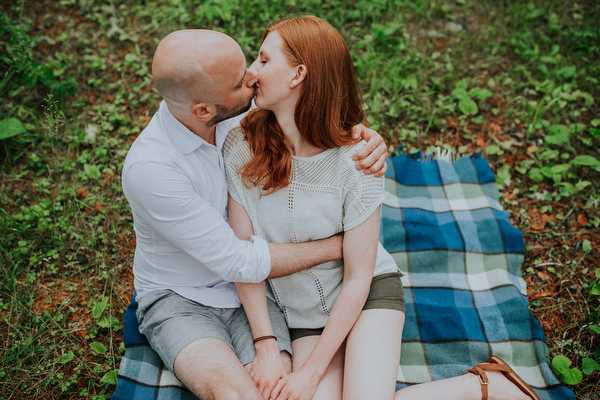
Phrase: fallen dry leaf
[495,128]
[82,192]
[539,295]
[542,275]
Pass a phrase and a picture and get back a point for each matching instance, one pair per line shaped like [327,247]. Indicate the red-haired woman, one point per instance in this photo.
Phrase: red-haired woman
[291,179]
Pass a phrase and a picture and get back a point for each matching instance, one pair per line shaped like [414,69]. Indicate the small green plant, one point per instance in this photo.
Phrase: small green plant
[561,364]
[466,104]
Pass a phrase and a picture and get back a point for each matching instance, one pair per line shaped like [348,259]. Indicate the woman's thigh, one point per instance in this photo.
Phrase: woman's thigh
[373,355]
[330,387]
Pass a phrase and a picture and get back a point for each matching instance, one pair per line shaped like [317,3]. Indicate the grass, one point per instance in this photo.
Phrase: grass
[518,79]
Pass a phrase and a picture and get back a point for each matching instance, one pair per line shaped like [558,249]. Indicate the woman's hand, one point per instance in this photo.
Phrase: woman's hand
[299,385]
[267,368]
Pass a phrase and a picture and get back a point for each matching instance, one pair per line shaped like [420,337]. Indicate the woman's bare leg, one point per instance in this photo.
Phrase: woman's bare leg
[373,355]
[330,387]
[372,360]
[464,387]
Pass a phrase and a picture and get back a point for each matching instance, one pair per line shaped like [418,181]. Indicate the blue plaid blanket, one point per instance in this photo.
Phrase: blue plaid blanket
[465,297]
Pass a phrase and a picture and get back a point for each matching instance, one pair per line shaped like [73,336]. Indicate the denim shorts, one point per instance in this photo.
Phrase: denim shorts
[170,322]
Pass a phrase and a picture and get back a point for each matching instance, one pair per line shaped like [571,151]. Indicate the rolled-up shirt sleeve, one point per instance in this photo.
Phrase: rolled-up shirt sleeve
[165,203]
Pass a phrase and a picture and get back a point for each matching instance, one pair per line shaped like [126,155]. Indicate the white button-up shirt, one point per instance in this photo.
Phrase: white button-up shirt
[176,186]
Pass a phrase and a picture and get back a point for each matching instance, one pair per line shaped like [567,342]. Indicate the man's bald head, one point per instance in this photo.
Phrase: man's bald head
[195,65]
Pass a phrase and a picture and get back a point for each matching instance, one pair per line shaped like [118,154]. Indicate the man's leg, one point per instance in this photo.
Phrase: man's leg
[194,342]
[211,370]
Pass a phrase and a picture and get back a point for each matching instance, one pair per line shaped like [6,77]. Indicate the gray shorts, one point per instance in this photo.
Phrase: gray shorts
[170,322]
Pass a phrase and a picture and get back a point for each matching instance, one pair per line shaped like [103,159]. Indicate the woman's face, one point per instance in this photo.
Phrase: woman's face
[274,74]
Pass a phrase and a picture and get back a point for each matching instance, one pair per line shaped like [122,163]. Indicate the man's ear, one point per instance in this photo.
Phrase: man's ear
[301,72]
[203,111]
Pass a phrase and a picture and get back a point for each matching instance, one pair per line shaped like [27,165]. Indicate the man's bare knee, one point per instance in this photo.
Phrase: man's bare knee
[211,370]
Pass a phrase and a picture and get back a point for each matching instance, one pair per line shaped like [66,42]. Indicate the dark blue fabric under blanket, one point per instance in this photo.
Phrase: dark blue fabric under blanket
[465,297]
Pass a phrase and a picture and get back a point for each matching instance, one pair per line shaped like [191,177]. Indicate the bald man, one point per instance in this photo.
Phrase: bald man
[186,255]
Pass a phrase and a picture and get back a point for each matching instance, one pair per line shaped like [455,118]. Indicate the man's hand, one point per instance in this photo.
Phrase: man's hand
[267,368]
[374,153]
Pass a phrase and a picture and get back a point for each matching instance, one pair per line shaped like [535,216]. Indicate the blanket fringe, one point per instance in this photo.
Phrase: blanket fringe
[448,155]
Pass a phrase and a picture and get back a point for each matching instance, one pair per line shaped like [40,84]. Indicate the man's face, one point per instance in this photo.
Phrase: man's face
[237,90]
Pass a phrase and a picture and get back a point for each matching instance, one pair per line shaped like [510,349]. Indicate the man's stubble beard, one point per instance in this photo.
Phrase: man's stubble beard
[224,112]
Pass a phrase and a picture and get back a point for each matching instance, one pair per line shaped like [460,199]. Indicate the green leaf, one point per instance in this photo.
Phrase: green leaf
[558,130]
[566,72]
[596,289]
[103,322]
[549,154]
[589,365]
[65,358]
[110,377]
[588,161]
[467,106]
[587,246]
[560,364]
[547,171]
[535,174]
[460,93]
[559,134]
[480,93]
[462,84]
[98,347]
[560,169]
[595,132]
[577,128]
[582,185]
[571,377]
[569,187]
[99,308]
[479,120]
[493,149]
[595,328]
[504,172]
[130,58]
[587,98]
[10,127]
[93,171]
[597,273]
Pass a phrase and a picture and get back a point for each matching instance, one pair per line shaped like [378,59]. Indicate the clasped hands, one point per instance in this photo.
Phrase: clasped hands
[273,378]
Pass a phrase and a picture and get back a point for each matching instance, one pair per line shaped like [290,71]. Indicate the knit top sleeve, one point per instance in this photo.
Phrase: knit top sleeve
[364,193]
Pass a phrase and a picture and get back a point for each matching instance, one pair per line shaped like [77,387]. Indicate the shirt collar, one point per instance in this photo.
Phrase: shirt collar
[187,141]
[182,138]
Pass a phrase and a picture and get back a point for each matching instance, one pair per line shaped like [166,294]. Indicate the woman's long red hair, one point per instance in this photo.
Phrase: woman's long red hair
[329,105]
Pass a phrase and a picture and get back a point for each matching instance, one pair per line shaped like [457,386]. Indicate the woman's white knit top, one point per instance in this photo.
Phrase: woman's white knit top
[326,196]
